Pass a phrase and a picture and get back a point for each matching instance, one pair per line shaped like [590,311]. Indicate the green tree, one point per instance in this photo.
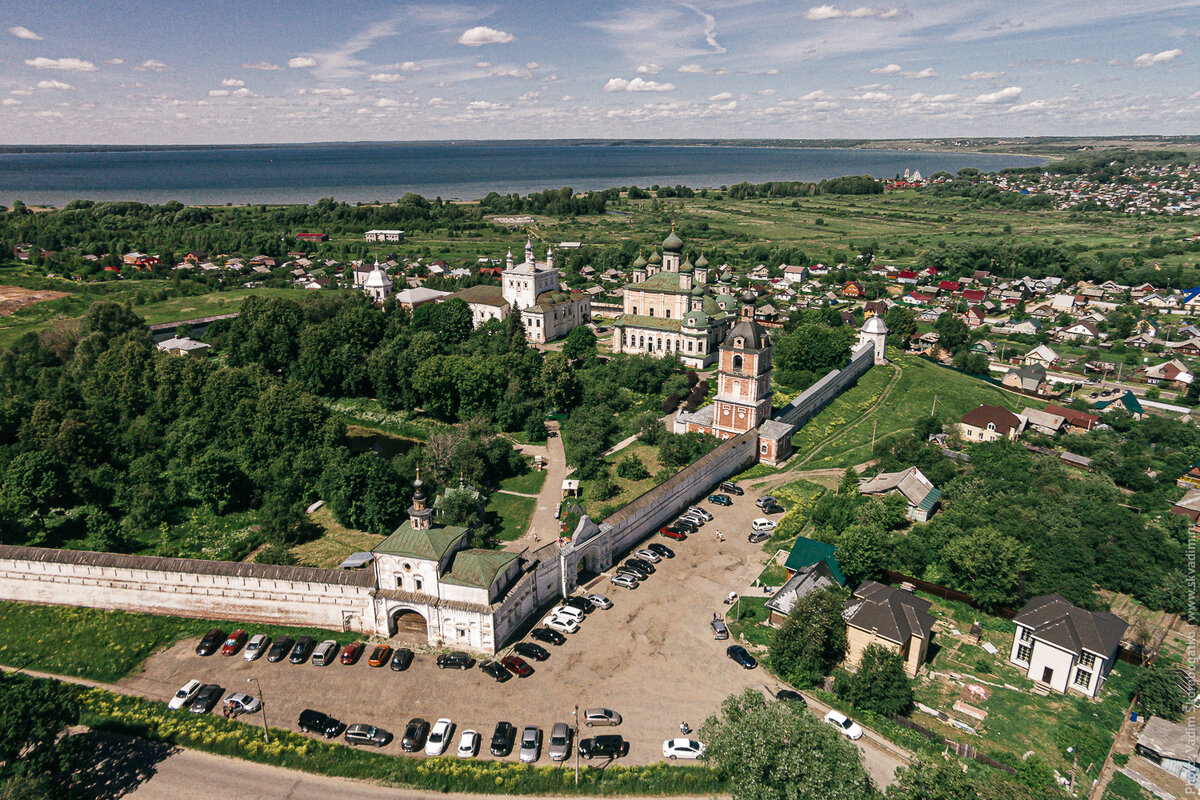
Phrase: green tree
[561,386]
[987,565]
[813,348]
[862,552]
[849,482]
[812,639]
[953,333]
[879,685]
[632,468]
[1158,691]
[580,344]
[218,482]
[901,324]
[933,779]
[775,751]
[34,712]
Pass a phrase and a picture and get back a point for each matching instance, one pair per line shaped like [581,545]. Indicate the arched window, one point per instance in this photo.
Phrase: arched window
[400,582]
[418,584]
[737,362]
[667,313]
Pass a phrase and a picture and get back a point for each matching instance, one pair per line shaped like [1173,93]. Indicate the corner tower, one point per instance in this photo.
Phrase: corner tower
[743,398]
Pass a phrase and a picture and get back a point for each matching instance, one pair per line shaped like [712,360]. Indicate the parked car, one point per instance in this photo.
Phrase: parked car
[302,650]
[682,748]
[673,532]
[773,508]
[644,567]
[531,650]
[703,513]
[719,629]
[624,571]
[568,612]
[402,659]
[468,744]
[210,642]
[379,656]
[439,737]
[763,524]
[560,742]
[766,500]
[352,653]
[646,554]
[731,488]
[256,647]
[324,653]
[607,746]
[758,536]
[602,717]
[316,722]
[280,649]
[531,744]
[624,580]
[495,671]
[561,624]
[692,518]
[720,499]
[186,694]
[503,738]
[581,603]
[661,549]
[517,665]
[791,696]
[360,733]
[687,524]
[548,636]
[415,733]
[455,660]
[242,703]
[234,643]
[206,698]
[741,655]
[846,726]
[599,600]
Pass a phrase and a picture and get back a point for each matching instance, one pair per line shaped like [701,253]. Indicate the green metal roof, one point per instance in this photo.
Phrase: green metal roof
[672,244]
[642,321]
[806,552]
[477,568]
[661,282]
[931,500]
[431,545]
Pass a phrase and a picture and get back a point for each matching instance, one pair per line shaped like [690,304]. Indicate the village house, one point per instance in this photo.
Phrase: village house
[892,618]
[853,289]
[1043,421]
[1172,747]
[1063,648]
[815,577]
[922,496]
[183,346]
[1174,373]
[1188,506]
[1029,378]
[409,299]
[793,273]
[973,317]
[1041,355]
[990,423]
[1077,421]
[1078,331]
[384,236]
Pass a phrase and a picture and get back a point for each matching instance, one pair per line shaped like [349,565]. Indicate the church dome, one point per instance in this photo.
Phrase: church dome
[687,266]
[695,319]
[874,324]
[672,244]
[378,279]
[749,332]
[701,261]
[639,262]
[698,291]
[749,296]
[655,258]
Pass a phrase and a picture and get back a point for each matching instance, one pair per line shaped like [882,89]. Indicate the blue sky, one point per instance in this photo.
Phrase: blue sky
[138,72]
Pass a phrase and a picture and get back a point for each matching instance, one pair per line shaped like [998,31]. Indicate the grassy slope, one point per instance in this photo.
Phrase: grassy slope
[527,483]
[510,513]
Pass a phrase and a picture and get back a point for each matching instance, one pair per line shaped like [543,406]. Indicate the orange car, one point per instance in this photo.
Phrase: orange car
[380,656]
[352,653]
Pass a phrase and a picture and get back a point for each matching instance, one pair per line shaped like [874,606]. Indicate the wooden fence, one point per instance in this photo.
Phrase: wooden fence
[961,749]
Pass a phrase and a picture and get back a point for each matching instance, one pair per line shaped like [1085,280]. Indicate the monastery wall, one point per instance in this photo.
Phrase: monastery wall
[824,391]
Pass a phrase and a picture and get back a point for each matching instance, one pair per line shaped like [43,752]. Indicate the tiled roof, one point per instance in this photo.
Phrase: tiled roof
[1056,620]
[806,552]
[890,613]
[643,321]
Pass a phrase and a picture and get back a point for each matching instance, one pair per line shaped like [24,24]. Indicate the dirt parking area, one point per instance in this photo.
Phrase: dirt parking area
[14,298]
[651,657]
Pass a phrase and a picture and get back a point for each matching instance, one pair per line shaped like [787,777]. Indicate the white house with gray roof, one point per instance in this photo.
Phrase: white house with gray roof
[1063,648]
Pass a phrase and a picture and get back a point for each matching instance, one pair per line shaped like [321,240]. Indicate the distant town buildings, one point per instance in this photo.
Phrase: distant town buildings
[384,236]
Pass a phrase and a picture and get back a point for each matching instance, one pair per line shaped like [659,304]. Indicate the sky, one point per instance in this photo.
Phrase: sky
[153,72]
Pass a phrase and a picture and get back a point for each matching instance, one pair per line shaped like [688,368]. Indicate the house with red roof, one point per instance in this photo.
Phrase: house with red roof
[973,317]
[907,276]
[974,296]
[990,423]
[948,286]
[1076,420]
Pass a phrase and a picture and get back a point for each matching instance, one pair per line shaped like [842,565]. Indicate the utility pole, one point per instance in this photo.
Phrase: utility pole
[873,427]
[576,744]
[261,707]
[934,409]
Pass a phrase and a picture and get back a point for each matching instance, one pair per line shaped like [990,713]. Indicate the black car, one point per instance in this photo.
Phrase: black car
[548,636]
[581,603]
[641,565]
[367,734]
[303,649]
[732,488]
[758,536]
[455,660]
[531,650]
[211,642]
[414,735]
[630,572]
[315,722]
[608,746]
[496,671]
[685,525]
[661,549]
[741,656]
[207,697]
[789,696]
[280,648]
[772,508]
[402,659]
[503,739]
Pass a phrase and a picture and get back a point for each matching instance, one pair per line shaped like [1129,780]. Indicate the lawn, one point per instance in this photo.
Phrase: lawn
[527,483]
[921,389]
[510,514]
[367,413]
[335,543]
[104,645]
[745,620]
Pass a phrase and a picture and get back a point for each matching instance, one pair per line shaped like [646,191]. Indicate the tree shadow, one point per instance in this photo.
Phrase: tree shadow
[112,766]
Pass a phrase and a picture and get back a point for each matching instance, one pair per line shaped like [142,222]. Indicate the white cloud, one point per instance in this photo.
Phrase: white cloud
[21,32]
[114,61]
[49,114]
[339,92]
[1036,105]
[1005,95]
[694,69]
[765,92]
[531,65]
[484,105]
[54,85]
[649,69]
[818,94]
[244,92]
[481,35]
[874,97]
[483,64]
[826,12]
[302,62]
[979,75]
[719,97]
[772,71]
[10,101]
[730,106]
[233,82]
[438,101]
[386,77]
[920,74]
[23,92]
[218,93]
[512,72]
[1150,59]
[68,64]
[152,65]
[890,69]
[385,102]
[566,98]
[407,66]
[266,66]
[637,85]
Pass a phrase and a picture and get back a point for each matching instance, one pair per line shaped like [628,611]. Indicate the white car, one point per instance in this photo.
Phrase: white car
[255,648]
[561,624]
[468,744]
[598,600]
[567,612]
[242,703]
[624,581]
[439,737]
[702,512]
[762,524]
[648,555]
[694,518]
[186,694]
[682,748]
[846,726]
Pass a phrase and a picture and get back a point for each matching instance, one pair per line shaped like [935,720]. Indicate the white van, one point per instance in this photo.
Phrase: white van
[325,653]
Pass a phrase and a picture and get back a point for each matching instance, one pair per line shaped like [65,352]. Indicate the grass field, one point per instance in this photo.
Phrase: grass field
[527,483]
[510,514]
[335,543]
[104,645]
[1123,788]
[850,418]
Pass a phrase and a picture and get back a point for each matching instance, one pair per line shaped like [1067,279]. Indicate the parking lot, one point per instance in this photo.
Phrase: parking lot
[651,658]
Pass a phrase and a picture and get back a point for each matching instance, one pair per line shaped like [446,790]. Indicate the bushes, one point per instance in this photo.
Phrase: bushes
[880,684]
[631,468]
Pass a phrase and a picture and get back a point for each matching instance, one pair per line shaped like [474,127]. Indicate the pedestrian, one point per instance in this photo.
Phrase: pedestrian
[684,729]
[720,536]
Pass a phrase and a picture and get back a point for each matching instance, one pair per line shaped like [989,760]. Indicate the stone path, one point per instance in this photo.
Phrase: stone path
[543,526]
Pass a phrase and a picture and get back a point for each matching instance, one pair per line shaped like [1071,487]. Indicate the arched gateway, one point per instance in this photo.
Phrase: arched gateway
[410,625]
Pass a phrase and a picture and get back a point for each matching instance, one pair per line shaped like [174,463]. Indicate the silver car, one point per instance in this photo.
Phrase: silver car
[560,742]
[648,555]
[256,647]
[531,744]
[624,580]
[593,717]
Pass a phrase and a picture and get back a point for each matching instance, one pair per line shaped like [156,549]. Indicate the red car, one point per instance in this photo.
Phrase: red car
[352,653]
[673,533]
[233,643]
[517,665]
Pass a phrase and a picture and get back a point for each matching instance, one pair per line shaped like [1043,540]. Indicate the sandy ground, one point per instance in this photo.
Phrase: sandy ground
[13,298]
